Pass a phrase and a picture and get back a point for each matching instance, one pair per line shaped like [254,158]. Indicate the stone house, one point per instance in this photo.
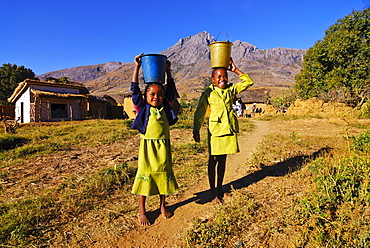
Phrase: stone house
[49,101]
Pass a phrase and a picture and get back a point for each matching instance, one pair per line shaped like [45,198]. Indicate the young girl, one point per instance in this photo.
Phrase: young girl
[223,123]
[154,175]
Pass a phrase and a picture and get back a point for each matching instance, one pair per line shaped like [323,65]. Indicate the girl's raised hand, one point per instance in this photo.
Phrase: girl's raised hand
[137,59]
[232,66]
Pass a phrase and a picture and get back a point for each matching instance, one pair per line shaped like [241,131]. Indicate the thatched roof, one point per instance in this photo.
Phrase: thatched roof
[258,95]
[40,93]
[127,94]
[23,86]
[104,99]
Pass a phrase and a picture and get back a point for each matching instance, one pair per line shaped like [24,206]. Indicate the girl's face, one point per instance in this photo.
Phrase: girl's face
[220,78]
[154,95]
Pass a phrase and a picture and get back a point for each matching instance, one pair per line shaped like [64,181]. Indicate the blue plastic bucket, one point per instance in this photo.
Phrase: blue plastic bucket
[154,68]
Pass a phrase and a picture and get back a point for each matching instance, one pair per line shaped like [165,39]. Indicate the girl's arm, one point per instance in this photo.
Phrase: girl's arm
[199,114]
[246,80]
[233,68]
[137,98]
[171,91]
[137,61]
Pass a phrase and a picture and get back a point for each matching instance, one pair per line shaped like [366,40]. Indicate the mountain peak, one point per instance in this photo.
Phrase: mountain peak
[191,67]
[190,50]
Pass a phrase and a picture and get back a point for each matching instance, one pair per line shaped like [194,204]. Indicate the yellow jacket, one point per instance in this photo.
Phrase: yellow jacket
[222,119]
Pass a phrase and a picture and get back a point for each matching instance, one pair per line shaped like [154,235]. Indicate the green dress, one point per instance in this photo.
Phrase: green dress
[155,175]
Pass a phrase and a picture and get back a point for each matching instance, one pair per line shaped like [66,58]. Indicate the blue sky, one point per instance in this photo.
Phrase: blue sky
[50,35]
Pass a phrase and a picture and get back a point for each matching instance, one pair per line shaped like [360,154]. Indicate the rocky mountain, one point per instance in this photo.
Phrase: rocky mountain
[271,68]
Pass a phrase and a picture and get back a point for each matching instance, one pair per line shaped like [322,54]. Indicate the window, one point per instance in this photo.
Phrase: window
[59,110]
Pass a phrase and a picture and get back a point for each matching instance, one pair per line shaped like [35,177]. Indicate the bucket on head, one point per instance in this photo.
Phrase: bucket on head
[154,68]
[220,53]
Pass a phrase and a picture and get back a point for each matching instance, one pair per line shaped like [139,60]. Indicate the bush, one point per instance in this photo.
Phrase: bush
[365,110]
[283,102]
[362,142]
[336,214]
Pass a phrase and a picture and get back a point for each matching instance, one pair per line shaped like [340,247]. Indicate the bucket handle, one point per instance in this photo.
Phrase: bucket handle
[223,32]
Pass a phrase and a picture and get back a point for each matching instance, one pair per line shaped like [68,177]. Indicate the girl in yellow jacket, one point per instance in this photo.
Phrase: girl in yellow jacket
[223,123]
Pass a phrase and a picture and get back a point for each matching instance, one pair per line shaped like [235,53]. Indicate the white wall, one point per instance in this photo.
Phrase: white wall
[25,99]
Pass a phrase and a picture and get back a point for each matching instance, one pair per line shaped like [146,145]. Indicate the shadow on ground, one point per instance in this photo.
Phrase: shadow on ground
[280,169]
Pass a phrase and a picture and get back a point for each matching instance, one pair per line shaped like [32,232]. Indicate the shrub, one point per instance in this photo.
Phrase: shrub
[336,214]
[365,110]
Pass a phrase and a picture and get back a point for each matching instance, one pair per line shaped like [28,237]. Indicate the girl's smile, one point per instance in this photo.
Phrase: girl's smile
[220,78]
[155,95]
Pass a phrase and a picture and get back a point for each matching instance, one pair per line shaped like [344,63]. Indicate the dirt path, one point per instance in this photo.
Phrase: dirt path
[194,202]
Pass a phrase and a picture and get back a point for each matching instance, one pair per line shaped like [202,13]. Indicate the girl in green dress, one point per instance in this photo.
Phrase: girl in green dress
[154,175]
[222,125]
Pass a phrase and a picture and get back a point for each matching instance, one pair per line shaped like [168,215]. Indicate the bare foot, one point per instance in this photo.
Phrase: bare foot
[216,200]
[165,213]
[143,220]
[227,195]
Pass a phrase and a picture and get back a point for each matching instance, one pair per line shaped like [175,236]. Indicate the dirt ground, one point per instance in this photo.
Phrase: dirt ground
[164,232]
[193,202]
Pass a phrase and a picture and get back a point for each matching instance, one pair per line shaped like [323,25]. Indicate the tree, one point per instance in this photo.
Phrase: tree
[339,65]
[283,101]
[10,77]
[64,80]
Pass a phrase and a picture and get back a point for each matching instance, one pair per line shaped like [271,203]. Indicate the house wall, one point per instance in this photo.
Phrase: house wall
[116,112]
[24,100]
[75,109]
[98,109]
[128,107]
[43,105]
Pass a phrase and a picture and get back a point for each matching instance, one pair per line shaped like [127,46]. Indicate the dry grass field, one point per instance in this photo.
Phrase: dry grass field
[297,182]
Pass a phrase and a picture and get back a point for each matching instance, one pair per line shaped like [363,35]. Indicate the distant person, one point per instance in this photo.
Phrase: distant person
[222,124]
[246,111]
[154,116]
[254,109]
[239,107]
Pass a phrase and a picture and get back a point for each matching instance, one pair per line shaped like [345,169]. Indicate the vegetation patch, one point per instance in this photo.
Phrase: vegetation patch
[321,201]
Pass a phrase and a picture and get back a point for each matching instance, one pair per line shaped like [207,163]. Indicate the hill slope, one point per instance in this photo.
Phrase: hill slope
[271,68]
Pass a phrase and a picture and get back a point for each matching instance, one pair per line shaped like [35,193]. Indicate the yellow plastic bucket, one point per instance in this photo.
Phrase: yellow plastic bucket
[220,53]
